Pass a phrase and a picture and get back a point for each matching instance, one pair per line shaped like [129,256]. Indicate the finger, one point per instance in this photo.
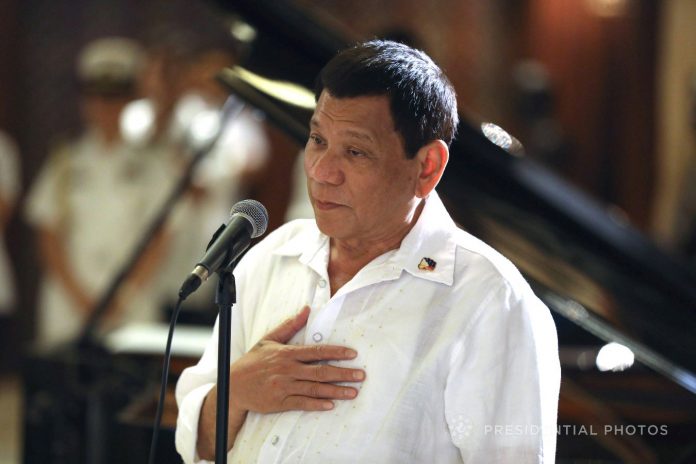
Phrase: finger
[304,403]
[329,373]
[322,390]
[307,353]
[286,330]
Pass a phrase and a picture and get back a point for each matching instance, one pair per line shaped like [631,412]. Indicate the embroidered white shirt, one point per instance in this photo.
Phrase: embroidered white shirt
[461,357]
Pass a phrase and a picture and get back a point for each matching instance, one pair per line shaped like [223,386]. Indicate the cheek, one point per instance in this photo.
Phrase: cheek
[382,192]
[307,161]
[399,181]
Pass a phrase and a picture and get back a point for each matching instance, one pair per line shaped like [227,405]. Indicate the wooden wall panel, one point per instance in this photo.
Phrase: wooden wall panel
[603,72]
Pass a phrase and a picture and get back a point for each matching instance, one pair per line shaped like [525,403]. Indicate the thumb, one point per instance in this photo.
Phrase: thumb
[286,330]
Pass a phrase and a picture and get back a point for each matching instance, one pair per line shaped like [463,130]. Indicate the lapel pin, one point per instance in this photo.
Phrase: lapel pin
[427,264]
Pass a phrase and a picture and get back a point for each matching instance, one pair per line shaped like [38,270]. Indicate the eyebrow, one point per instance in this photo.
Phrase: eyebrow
[352,133]
[359,135]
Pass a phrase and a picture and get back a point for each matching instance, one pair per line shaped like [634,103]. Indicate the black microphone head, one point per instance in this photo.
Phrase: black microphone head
[255,212]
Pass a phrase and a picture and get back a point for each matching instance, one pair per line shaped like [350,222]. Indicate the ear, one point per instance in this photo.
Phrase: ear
[432,159]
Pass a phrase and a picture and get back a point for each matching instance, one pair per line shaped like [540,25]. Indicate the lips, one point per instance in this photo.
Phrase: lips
[326,205]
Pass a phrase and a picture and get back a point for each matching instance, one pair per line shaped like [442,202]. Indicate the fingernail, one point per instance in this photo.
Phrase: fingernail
[358,375]
[351,353]
[327,405]
[349,393]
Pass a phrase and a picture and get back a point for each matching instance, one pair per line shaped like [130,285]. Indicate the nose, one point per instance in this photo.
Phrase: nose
[324,167]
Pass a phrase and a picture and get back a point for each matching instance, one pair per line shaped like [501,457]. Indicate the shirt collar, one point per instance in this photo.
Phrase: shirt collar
[311,246]
[430,241]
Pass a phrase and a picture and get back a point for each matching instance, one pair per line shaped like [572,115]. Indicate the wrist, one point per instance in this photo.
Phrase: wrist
[237,412]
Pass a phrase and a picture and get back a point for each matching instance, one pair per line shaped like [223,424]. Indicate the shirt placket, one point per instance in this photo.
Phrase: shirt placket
[319,327]
[272,449]
[321,321]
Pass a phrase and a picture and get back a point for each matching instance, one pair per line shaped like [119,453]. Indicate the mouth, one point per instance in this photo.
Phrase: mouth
[325,205]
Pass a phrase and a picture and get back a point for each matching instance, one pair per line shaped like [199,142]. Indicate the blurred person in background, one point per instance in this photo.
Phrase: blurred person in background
[93,201]
[9,188]
[240,153]
[221,179]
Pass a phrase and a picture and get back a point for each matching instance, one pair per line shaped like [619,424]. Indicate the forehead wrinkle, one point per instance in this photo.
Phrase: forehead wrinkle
[331,110]
[362,135]
[359,135]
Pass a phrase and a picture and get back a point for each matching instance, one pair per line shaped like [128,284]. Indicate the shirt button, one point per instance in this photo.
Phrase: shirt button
[322,283]
[275,440]
[317,337]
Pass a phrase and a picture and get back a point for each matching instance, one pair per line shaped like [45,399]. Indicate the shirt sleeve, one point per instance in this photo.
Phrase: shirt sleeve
[501,396]
[193,386]
[43,204]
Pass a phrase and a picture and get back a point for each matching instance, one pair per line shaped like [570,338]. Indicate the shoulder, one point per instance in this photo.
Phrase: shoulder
[268,262]
[9,157]
[69,154]
[287,239]
[479,263]
[289,232]
[8,147]
[505,302]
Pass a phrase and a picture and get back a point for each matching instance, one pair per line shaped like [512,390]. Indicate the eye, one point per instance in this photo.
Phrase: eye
[315,139]
[355,153]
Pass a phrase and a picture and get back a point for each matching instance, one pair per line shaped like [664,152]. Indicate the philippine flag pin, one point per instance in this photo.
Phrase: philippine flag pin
[427,264]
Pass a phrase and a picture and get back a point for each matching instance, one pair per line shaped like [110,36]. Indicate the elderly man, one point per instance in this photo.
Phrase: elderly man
[415,342]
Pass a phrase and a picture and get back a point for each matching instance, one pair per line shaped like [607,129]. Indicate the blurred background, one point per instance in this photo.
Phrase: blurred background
[601,93]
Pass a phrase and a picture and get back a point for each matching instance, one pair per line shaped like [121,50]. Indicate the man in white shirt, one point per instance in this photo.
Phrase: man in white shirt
[93,201]
[416,342]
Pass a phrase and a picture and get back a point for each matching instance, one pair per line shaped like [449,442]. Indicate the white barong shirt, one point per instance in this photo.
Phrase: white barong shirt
[461,357]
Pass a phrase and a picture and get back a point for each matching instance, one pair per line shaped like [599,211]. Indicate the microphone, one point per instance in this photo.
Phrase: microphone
[248,219]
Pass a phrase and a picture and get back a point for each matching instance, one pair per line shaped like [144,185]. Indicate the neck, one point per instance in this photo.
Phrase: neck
[348,256]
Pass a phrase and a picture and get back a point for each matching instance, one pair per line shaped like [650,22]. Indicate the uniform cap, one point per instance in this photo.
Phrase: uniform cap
[109,66]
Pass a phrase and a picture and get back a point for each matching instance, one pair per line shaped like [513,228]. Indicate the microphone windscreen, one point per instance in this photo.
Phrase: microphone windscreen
[255,212]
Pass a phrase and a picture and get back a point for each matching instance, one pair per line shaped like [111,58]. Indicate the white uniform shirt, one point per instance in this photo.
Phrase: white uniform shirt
[461,360]
[101,200]
[9,187]
[242,146]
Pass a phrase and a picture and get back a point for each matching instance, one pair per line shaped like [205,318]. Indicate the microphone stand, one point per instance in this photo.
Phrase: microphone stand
[225,297]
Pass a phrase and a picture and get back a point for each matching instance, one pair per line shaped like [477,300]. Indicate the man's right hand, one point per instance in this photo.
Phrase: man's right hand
[274,376]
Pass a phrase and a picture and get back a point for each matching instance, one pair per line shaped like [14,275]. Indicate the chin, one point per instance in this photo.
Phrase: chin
[333,228]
